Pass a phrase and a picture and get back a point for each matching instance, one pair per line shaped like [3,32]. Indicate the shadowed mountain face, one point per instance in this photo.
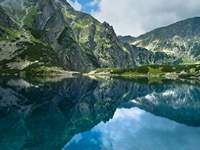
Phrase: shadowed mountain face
[127,39]
[47,116]
[181,39]
[52,33]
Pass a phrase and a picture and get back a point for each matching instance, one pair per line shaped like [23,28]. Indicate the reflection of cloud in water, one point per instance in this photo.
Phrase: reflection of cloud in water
[134,129]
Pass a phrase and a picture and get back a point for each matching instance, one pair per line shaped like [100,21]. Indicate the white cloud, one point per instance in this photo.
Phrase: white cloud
[76,5]
[134,129]
[134,17]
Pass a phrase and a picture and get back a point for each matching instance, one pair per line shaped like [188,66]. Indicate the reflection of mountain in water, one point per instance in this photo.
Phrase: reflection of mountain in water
[47,116]
[135,129]
[180,103]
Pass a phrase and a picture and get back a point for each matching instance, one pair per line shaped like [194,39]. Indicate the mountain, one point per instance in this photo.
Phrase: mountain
[51,33]
[127,39]
[181,39]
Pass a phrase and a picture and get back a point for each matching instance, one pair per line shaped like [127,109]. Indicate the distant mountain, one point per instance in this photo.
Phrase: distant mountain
[52,33]
[127,39]
[181,39]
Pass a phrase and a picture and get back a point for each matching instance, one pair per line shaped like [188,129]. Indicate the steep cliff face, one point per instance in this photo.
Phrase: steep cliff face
[181,39]
[64,37]
[5,19]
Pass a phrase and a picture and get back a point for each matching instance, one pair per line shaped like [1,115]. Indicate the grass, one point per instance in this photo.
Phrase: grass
[42,70]
[8,34]
[155,71]
[37,51]
[34,51]
[28,21]
[189,61]
[125,49]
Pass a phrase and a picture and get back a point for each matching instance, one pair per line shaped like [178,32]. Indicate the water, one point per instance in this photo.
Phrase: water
[86,114]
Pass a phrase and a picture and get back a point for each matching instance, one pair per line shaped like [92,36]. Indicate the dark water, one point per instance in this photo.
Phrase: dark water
[85,114]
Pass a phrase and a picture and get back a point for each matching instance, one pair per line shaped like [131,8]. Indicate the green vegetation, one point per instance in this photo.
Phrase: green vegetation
[125,49]
[41,70]
[32,12]
[37,51]
[39,35]
[8,34]
[82,23]
[154,71]
[188,61]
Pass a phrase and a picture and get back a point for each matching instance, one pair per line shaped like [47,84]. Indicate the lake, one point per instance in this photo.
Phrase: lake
[86,114]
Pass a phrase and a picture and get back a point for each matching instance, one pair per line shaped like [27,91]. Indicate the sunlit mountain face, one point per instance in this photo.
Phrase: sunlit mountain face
[80,112]
[68,81]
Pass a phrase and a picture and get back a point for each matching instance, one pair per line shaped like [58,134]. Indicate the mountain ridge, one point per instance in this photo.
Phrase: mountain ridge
[76,40]
[181,39]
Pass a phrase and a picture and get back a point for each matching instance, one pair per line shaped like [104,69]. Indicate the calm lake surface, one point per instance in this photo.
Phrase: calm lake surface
[85,114]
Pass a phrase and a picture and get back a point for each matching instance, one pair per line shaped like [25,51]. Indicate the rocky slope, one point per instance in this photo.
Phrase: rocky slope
[181,39]
[51,32]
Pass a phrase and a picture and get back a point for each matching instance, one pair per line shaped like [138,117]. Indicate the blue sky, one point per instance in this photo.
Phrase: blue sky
[87,6]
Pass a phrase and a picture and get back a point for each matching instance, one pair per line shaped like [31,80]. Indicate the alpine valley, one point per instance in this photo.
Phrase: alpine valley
[69,82]
[50,37]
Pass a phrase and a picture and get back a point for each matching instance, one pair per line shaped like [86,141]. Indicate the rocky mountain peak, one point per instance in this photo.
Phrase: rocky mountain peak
[181,39]
[64,37]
